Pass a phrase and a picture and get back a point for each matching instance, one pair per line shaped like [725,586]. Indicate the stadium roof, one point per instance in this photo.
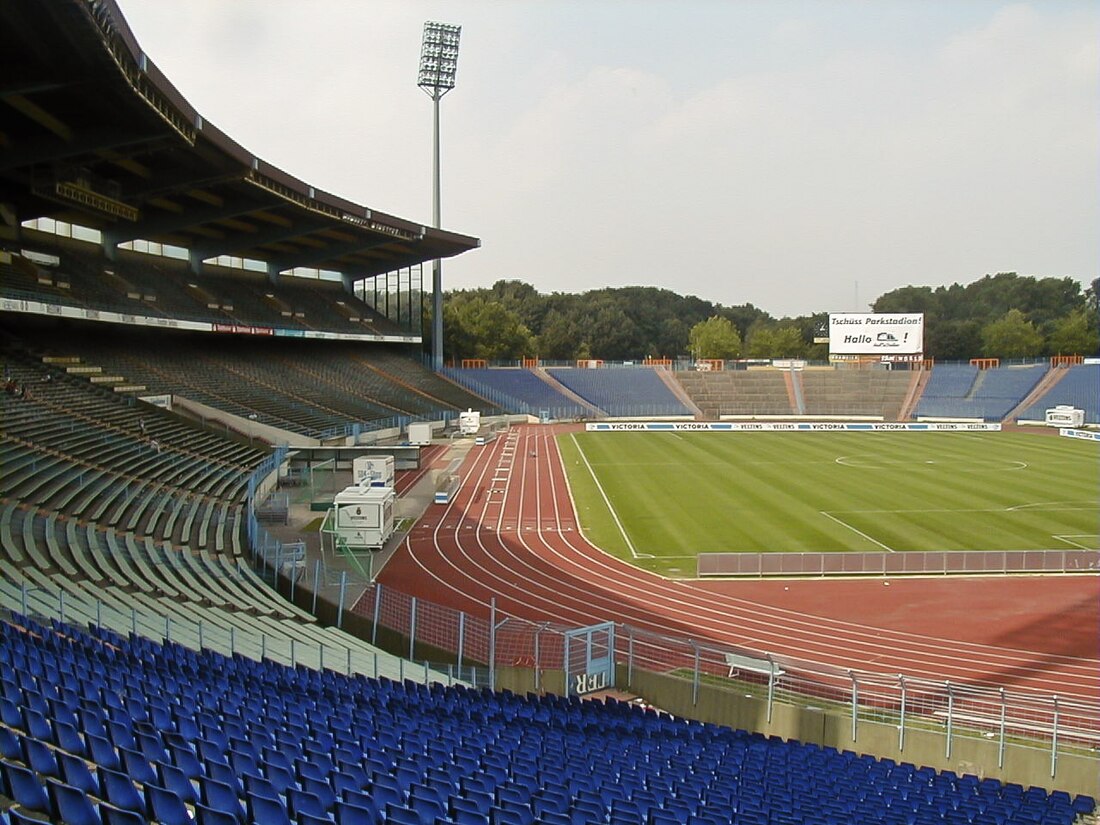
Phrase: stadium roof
[91,132]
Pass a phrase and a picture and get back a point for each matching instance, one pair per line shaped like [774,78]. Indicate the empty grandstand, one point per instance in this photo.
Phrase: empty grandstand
[739,392]
[625,392]
[145,254]
[1079,387]
[100,727]
[521,391]
[958,391]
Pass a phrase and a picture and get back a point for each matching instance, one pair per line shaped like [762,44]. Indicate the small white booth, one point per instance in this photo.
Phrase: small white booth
[469,422]
[362,517]
[420,433]
[1065,416]
[373,470]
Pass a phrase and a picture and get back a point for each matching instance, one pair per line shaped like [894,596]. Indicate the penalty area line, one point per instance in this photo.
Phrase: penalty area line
[857,532]
[622,530]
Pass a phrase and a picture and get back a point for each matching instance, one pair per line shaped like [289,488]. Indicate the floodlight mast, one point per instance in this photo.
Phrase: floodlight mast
[438,64]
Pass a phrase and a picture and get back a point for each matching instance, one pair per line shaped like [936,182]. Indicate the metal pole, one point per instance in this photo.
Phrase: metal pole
[340,605]
[401,670]
[412,628]
[200,636]
[1001,745]
[316,584]
[771,684]
[565,661]
[427,678]
[320,655]
[630,656]
[263,646]
[855,704]
[23,598]
[538,687]
[61,606]
[292,661]
[950,715]
[1054,739]
[232,640]
[377,612]
[492,643]
[348,671]
[133,621]
[437,264]
[98,614]
[695,676]
[901,725]
[167,629]
[461,640]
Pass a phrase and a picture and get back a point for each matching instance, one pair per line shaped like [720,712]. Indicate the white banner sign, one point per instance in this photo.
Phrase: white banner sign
[1087,435]
[778,426]
[868,333]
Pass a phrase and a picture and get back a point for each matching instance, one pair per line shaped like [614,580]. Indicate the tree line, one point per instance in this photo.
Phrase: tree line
[1001,316]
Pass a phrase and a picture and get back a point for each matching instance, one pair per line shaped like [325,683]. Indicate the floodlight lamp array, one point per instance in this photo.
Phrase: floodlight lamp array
[439,56]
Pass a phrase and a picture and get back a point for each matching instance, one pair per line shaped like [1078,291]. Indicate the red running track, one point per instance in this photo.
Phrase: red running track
[512,532]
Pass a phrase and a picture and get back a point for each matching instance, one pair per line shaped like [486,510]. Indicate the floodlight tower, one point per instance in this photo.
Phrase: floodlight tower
[438,63]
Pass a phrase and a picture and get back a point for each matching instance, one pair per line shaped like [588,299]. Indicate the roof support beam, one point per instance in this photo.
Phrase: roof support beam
[169,222]
[251,240]
[311,257]
[51,150]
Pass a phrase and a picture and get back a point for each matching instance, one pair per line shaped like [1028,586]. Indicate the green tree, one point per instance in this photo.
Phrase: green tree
[715,337]
[480,328]
[1075,334]
[776,341]
[559,337]
[788,342]
[953,340]
[761,340]
[1011,336]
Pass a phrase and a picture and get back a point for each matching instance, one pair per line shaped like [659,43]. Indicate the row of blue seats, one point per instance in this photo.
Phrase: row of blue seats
[634,391]
[296,744]
[1079,387]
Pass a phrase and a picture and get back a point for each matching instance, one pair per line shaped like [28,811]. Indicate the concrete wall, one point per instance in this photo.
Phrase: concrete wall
[243,426]
[1075,772]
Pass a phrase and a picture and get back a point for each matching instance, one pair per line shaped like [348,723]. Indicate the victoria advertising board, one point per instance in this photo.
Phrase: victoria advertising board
[869,333]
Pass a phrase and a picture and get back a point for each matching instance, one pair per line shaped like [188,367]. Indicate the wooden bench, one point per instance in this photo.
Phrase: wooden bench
[748,664]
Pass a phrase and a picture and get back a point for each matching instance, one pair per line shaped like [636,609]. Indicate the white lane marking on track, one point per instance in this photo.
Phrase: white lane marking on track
[590,563]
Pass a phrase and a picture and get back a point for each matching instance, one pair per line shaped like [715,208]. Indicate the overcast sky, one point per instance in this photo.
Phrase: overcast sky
[802,156]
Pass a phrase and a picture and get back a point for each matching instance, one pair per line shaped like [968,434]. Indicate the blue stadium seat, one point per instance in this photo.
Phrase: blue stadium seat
[40,758]
[10,748]
[72,805]
[75,772]
[213,816]
[263,810]
[25,788]
[118,789]
[110,815]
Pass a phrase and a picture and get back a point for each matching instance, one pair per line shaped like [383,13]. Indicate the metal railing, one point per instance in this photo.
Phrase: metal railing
[909,562]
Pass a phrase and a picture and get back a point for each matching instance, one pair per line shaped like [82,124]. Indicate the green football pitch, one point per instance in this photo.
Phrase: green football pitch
[660,499]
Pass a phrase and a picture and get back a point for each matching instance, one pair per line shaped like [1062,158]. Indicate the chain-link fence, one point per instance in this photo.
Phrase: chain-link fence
[906,703]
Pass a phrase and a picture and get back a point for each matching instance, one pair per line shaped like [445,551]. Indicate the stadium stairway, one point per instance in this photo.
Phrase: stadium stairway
[590,409]
[1047,383]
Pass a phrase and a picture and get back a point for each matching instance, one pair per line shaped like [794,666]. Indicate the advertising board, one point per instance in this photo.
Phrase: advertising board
[870,333]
